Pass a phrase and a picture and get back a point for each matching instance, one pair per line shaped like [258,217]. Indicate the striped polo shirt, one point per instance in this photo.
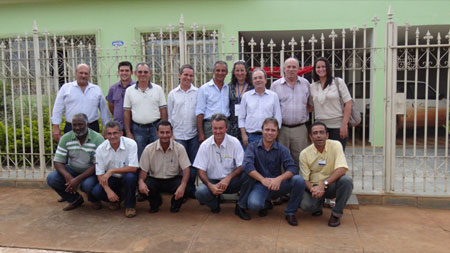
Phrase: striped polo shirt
[78,157]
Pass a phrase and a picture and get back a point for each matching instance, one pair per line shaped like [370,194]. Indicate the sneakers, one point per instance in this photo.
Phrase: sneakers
[130,212]
[77,203]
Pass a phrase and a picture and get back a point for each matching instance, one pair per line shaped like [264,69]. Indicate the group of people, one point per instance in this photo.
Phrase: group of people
[237,138]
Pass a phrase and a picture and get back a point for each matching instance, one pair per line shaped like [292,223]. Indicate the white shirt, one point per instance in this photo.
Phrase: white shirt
[255,108]
[107,158]
[72,100]
[219,162]
[181,110]
[144,105]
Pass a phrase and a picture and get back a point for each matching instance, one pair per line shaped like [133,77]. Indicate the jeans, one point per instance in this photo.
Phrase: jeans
[341,189]
[254,137]
[58,183]
[335,134]
[143,135]
[158,185]
[124,187]
[254,194]
[205,196]
[191,146]
[207,128]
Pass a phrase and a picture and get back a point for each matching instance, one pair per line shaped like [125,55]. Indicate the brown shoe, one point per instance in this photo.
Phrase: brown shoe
[334,221]
[114,206]
[74,204]
[97,205]
[291,220]
[130,212]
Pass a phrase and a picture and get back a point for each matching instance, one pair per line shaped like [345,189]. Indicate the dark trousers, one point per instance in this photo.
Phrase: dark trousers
[156,186]
[124,187]
[335,134]
[93,125]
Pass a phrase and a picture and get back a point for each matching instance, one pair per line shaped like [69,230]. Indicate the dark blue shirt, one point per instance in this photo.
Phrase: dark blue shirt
[268,163]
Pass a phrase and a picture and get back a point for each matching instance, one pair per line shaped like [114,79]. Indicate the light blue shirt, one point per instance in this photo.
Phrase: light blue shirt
[255,108]
[211,100]
[71,100]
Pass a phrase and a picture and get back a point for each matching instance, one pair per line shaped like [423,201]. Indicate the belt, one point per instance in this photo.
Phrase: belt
[256,133]
[147,125]
[292,126]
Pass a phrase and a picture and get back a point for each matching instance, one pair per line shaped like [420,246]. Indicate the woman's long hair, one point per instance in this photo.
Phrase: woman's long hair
[248,79]
[327,67]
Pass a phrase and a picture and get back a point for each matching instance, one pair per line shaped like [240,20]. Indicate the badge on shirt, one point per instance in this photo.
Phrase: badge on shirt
[236,109]
[322,163]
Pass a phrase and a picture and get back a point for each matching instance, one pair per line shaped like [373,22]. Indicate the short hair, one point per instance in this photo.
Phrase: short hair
[220,63]
[80,116]
[125,63]
[185,66]
[316,77]
[270,120]
[292,58]
[113,124]
[219,117]
[163,123]
[317,123]
[143,63]
[248,78]
[84,65]
[261,70]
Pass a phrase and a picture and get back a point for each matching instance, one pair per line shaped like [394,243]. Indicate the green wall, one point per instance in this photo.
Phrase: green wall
[123,20]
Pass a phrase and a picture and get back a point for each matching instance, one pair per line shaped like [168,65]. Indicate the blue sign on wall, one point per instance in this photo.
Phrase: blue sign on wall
[117,43]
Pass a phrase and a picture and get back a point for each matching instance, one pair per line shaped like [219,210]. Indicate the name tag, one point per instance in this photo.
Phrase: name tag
[236,110]
[322,163]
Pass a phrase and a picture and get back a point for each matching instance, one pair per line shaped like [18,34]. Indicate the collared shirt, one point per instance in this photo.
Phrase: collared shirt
[219,162]
[78,157]
[72,100]
[293,101]
[181,111]
[268,163]
[160,164]
[144,105]
[255,108]
[316,167]
[211,100]
[107,158]
[116,94]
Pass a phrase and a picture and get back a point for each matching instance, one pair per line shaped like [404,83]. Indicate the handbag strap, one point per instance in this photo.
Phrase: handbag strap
[336,82]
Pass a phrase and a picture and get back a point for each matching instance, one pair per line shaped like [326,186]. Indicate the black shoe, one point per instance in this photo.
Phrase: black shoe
[216,210]
[269,204]
[141,197]
[334,221]
[291,220]
[77,203]
[317,213]
[154,207]
[241,212]
[175,205]
[61,200]
[263,212]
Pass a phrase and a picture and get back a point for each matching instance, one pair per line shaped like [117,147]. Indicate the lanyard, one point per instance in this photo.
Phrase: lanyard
[240,91]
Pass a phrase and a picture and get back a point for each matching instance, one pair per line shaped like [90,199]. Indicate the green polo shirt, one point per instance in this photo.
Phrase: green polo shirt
[78,157]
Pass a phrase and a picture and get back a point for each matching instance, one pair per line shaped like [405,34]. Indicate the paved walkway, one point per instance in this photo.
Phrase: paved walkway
[32,219]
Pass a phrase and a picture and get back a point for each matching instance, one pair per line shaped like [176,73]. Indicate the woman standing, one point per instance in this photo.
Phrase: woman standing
[327,101]
[240,83]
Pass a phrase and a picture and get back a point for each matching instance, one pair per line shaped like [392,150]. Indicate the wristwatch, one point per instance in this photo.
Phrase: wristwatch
[325,183]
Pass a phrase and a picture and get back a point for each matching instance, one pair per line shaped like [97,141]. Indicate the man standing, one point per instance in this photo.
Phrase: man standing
[262,163]
[115,166]
[219,163]
[323,166]
[256,106]
[212,98]
[181,109]
[74,163]
[116,92]
[79,96]
[164,160]
[293,92]
[144,105]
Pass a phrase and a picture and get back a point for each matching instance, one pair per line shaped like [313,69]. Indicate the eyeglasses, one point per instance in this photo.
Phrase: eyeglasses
[143,72]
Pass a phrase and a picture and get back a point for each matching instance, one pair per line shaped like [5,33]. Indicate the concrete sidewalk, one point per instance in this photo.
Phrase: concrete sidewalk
[32,219]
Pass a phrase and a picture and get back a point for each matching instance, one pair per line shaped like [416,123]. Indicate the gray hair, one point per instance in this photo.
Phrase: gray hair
[80,116]
[113,124]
